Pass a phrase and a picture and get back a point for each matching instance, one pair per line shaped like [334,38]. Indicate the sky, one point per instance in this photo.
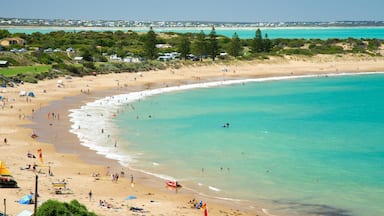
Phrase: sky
[197,10]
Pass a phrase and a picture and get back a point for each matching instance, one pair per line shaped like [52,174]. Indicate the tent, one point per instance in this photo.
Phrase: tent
[3,169]
[25,213]
[6,179]
[22,93]
[26,200]
[60,83]
[31,94]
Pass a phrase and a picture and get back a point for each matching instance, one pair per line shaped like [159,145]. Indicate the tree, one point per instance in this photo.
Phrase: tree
[213,46]
[184,46]
[4,33]
[87,53]
[200,46]
[150,44]
[235,46]
[257,43]
[267,45]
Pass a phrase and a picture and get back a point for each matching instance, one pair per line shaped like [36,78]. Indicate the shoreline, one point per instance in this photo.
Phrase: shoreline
[78,170]
[114,102]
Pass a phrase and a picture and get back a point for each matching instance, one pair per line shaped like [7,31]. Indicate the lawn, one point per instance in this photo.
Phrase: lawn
[11,71]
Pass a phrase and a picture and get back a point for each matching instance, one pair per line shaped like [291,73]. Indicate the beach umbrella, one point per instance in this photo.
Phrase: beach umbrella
[131,197]
[26,200]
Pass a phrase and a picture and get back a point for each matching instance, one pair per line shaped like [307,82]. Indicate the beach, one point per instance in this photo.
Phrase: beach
[83,170]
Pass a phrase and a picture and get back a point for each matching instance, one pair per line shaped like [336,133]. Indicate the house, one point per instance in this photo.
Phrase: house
[115,58]
[78,58]
[169,56]
[49,50]
[4,64]
[7,42]
[131,60]
[163,46]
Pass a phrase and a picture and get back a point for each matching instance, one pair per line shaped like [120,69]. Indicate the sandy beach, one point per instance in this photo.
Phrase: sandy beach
[46,114]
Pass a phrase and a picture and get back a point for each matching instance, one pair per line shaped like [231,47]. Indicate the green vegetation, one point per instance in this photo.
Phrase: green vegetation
[150,45]
[53,208]
[86,52]
[213,45]
[235,46]
[12,71]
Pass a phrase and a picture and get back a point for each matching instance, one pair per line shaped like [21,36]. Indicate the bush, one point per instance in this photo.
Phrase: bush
[29,79]
[89,65]
[305,52]
[53,208]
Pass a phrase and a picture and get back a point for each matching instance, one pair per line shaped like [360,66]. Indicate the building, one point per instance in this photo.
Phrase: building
[78,58]
[7,42]
[3,63]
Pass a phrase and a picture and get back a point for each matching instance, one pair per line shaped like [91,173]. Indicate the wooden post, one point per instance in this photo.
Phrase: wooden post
[5,207]
[35,209]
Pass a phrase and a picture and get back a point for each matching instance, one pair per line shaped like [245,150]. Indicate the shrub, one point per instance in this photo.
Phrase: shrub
[305,52]
[53,208]
[30,78]
[89,65]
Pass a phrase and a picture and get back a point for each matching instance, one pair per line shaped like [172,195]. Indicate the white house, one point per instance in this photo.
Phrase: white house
[131,60]
[114,58]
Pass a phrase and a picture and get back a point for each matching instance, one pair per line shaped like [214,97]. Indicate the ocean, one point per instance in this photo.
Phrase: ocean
[309,145]
[244,33]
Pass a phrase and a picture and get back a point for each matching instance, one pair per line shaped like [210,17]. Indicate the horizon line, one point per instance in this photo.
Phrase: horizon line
[202,21]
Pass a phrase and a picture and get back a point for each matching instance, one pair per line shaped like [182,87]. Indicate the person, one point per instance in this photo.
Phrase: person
[5,140]
[30,155]
[49,171]
[90,195]
[132,183]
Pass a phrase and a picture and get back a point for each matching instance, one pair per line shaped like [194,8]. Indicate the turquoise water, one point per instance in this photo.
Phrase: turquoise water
[307,33]
[312,146]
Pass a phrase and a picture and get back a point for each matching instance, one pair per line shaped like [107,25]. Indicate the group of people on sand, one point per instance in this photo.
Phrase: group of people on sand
[30,167]
[53,115]
[115,177]
[105,204]
[30,155]
[197,205]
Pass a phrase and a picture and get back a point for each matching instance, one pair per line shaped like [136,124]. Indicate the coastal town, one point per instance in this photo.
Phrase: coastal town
[172,24]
